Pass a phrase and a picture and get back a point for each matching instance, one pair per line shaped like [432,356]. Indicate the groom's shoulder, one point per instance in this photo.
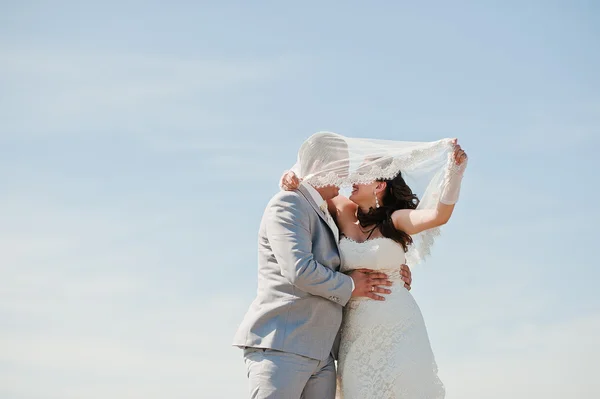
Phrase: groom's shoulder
[284,204]
[289,197]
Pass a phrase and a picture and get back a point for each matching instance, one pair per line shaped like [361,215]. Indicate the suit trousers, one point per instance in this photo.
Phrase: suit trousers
[282,375]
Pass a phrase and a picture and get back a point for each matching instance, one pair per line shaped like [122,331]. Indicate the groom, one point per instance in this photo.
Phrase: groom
[289,330]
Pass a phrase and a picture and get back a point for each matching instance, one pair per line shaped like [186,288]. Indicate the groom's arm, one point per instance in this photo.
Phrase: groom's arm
[289,235]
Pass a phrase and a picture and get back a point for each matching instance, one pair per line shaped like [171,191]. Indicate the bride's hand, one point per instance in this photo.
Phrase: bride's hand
[289,181]
[406,276]
[460,156]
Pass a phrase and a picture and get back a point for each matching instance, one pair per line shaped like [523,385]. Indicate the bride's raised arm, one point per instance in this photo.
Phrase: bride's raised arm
[413,221]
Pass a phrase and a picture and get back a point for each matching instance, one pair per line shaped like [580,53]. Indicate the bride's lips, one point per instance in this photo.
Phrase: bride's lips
[354,189]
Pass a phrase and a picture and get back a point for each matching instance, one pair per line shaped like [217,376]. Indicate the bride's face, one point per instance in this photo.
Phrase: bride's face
[363,195]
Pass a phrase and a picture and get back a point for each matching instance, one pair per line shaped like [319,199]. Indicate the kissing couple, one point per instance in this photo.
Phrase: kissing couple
[332,281]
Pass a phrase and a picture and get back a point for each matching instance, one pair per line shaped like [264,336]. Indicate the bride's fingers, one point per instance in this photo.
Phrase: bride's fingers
[408,287]
[459,156]
[406,278]
[290,182]
[457,150]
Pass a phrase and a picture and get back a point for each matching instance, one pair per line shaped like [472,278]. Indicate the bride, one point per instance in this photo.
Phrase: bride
[384,350]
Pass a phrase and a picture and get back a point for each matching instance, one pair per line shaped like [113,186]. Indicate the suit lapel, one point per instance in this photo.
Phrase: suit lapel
[318,210]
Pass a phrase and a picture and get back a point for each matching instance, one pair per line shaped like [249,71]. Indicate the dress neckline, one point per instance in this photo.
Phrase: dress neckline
[365,241]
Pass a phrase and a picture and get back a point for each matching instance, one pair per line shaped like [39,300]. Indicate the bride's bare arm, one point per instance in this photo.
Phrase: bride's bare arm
[413,221]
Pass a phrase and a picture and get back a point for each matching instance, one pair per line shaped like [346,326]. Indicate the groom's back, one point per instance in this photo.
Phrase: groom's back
[284,317]
[323,247]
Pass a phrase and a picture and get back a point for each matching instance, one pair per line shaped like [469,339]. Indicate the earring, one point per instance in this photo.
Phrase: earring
[376,200]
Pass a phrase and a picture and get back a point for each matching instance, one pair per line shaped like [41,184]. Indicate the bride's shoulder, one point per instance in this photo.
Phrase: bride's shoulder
[343,202]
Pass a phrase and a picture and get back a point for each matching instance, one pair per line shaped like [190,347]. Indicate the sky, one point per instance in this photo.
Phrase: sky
[140,142]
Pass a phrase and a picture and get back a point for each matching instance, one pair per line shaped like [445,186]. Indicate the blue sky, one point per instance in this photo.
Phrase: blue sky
[140,142]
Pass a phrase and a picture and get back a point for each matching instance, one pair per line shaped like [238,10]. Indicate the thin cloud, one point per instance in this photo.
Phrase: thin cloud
[62,93]
[534,360]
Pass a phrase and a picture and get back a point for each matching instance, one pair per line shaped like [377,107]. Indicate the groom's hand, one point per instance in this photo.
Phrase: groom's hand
[368,283]
[406,276]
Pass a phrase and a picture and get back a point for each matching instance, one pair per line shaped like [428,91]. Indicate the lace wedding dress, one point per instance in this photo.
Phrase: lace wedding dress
[384,350]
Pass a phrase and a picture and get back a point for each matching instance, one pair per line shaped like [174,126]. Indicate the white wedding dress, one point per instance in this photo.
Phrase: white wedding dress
[384,350]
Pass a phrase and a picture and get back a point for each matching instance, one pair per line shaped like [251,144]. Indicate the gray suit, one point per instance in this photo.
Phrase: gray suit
[298,308]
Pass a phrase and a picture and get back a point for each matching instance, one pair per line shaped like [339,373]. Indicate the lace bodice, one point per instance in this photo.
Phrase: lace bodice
[380,253]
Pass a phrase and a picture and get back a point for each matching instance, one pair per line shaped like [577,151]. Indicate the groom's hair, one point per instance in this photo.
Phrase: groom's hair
[323,152]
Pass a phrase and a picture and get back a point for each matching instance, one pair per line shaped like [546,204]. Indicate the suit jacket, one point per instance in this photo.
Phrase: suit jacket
[298,305]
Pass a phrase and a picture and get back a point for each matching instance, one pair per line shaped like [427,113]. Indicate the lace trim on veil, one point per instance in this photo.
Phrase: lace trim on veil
[376,172]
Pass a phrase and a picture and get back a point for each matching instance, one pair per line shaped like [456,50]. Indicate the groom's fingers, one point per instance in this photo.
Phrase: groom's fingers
[370,285]
[374,296]
[380,290]
[363,270]
[379,281]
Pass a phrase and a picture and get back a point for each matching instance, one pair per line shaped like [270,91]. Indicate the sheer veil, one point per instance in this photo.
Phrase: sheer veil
[328,158]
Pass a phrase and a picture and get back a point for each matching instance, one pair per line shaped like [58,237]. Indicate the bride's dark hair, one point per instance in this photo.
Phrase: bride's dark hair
[397,195]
